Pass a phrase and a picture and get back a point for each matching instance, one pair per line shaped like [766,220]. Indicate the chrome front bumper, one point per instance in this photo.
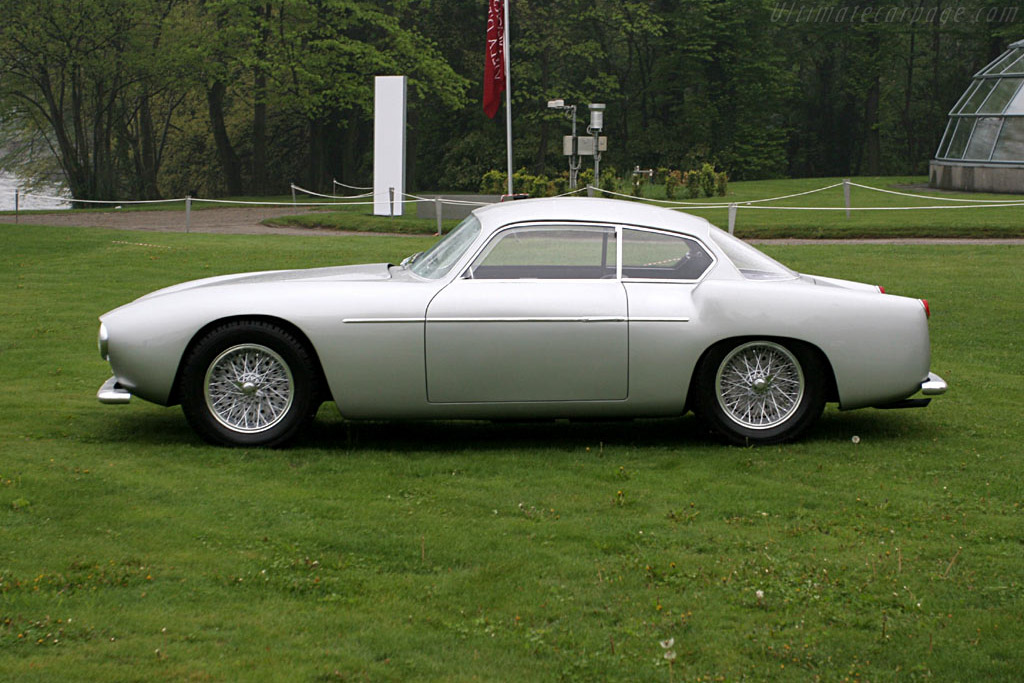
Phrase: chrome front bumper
[934,385]
[113,393]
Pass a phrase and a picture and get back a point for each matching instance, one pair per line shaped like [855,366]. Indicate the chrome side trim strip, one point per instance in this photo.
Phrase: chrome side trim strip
[639,319]
[360,321]
[553,319]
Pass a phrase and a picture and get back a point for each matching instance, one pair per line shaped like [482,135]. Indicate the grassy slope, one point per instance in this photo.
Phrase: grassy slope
[462,550]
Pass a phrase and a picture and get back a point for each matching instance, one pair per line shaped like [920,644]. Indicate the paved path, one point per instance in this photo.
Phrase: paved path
[248,221]
[232,221]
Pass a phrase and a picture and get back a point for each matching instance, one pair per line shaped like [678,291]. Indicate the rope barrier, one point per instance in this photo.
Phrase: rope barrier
[247,203]
[879,208]
[103,201]
[939,199]
[351,187]
[454,202]
[329,196]
[733,207]
[704,205]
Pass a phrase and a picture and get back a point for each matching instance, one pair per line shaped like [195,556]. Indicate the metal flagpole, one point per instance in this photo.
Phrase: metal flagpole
[508,98]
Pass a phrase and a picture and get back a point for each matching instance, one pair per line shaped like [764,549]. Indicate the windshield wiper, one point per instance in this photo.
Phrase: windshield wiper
[409,260]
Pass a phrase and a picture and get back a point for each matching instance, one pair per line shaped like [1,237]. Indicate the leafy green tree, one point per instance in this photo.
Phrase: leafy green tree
[85,76]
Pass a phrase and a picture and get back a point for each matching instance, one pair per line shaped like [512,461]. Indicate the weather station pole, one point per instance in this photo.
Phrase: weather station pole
[596,124]
[572,149]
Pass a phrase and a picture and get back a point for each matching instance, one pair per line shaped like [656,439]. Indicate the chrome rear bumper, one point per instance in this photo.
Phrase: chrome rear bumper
[933,385]
[113,393]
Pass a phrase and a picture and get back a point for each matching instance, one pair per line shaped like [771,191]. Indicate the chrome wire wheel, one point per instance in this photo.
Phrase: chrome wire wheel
[759,385]
[249,388]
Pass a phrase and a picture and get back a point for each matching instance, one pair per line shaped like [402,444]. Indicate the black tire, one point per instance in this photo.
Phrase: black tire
[249,383]
[760,391]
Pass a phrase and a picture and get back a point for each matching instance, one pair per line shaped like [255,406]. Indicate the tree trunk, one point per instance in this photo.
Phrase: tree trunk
[229,162]
[148,165]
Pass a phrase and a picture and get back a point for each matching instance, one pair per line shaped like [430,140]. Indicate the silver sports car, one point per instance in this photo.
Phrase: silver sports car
[569,307]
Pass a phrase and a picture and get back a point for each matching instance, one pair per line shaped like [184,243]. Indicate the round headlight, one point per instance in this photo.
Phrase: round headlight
[102,342]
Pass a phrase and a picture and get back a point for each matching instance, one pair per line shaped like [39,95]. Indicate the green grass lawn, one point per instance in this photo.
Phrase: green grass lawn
[457,551]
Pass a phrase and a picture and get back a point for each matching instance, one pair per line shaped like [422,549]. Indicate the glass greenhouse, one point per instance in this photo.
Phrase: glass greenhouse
[983,146]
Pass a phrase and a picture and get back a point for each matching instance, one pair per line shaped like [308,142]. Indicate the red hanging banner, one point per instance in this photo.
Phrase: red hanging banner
[494,62]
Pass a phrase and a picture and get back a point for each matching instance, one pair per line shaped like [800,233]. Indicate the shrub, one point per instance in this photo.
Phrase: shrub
[721,183]
[586,177]
[691,179]
[706,179]
[639,181]
[493,182]
[540,186]
[673,179]
[609,180]
[561,183]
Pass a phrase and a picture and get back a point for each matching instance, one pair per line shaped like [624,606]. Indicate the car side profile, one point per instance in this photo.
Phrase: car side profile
[546,308]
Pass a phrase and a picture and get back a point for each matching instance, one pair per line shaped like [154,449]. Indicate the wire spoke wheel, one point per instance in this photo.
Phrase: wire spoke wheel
[249,388]
[759,385]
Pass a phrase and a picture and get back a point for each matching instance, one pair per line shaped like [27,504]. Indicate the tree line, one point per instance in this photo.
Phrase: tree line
[158,98]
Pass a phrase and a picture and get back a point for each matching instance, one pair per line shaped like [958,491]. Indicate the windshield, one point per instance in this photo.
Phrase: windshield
[751,263]
[439,259]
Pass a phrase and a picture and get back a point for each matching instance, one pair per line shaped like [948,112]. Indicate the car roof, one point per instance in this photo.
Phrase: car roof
[588,209]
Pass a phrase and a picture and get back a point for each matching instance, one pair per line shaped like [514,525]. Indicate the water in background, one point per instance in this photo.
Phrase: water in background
[9,183]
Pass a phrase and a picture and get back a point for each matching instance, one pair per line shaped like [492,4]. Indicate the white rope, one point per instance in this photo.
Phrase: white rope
[454,202]
[976,203]
[788,196]
[669,202]
[232,201]
[331,196]
[351,187]
[103,201]
[715,204]
[938,199]
[879,208]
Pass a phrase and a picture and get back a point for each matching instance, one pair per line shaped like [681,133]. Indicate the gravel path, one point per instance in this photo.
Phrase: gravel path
[231,221]
[248,221]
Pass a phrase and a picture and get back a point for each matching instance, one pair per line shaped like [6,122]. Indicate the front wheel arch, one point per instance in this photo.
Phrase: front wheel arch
[325,391]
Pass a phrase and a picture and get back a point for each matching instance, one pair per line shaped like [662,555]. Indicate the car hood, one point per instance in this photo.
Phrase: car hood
[368,272]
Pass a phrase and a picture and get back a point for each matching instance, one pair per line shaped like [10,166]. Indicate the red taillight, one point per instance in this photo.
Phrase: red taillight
[881,289]
[927,308]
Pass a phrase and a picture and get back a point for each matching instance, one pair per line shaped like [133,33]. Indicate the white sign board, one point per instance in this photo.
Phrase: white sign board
[388,145]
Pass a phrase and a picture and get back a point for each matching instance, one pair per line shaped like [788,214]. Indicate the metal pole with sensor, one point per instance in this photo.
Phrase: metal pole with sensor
[596,124]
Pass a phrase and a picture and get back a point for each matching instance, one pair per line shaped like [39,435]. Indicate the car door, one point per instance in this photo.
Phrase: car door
[540,315]
[660,272]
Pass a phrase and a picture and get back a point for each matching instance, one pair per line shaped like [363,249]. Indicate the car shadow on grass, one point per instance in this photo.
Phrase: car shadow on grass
[332,432]
[676,433]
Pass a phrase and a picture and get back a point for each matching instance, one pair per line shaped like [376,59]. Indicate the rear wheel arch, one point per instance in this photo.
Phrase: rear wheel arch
[814,366]
[831,388]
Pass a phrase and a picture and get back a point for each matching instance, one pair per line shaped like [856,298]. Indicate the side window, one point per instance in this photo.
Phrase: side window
[548,253]
[655,255]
